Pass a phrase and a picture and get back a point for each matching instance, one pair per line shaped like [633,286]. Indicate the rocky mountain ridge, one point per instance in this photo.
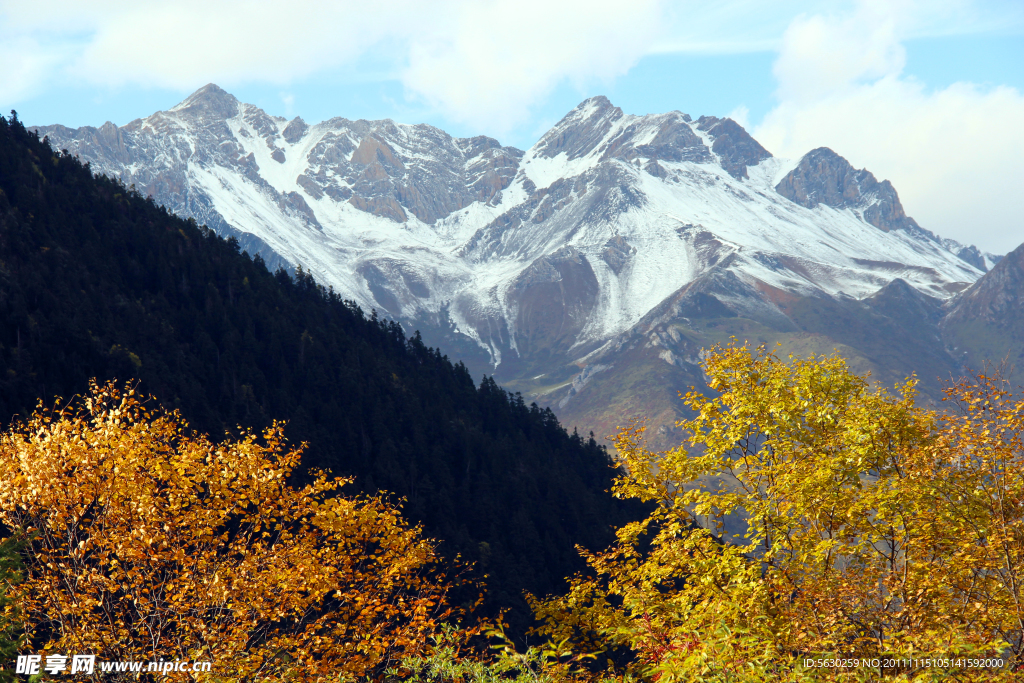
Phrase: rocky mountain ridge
[607,254]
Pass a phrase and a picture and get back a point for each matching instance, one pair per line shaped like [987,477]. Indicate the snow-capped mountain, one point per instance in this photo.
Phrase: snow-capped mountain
[539,266]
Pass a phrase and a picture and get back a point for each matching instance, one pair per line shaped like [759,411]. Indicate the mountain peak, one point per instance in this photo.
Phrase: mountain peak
[581,129]
[592,110]
[901,299]
[597,102]
[211,98]
[733,144]
[824,177]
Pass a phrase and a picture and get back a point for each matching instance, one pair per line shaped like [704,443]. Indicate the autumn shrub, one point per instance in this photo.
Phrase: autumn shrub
[809,516]
[451,661]
[152,542]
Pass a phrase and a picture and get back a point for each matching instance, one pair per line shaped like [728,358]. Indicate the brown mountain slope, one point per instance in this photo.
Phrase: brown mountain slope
[986,323]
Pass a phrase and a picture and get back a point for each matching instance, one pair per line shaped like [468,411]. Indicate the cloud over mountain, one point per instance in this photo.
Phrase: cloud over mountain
[954,152]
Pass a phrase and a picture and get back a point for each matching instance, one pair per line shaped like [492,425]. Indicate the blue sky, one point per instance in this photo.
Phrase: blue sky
[927,94]
[713,84]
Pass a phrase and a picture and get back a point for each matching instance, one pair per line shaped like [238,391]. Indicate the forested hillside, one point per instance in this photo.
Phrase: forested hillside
[97,281]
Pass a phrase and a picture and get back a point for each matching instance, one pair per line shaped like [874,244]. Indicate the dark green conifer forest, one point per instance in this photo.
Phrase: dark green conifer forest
[98,281]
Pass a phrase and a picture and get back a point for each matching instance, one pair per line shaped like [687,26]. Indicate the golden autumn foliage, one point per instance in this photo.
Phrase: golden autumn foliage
[150,542]
[810,515]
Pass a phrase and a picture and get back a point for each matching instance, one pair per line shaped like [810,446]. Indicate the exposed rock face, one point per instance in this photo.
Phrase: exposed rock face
[295,204]
[971,254]
[733,145]
[673,141]
[583,132]
[616,253]
[553,299]
[824,177]
[211,103]
[294,131]
[655,169]
[491,167]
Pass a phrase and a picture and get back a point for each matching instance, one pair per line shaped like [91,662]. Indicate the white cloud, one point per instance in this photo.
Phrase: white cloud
[484,63]
[481,62]
[739,26]
[289,104]
[190,42]
[500,58]
[822,54]
[26,64]
[953,154]
[740,115]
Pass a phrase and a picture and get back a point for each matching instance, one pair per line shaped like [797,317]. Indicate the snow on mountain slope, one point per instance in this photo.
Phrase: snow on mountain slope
[542,256]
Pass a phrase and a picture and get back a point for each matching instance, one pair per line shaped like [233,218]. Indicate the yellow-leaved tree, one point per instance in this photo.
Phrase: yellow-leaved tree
[150,542]
[812,516]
